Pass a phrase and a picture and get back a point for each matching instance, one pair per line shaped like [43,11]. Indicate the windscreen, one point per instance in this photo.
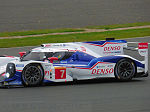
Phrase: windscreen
[41,56]
[37,56]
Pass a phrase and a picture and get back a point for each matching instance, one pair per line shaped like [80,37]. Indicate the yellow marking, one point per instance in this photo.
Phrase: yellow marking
[5,83]
[39,67]
[26,83]
[60,67]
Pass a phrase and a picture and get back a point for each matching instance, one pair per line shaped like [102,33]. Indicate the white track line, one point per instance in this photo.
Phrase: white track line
[135,42]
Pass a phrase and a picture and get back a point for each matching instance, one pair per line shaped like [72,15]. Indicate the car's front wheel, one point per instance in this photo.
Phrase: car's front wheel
[32,75]
[125,69]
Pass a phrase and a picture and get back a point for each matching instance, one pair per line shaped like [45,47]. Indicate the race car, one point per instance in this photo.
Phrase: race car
[64,62]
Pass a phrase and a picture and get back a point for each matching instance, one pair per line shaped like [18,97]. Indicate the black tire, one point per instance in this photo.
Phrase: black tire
[125,69]
[32,75]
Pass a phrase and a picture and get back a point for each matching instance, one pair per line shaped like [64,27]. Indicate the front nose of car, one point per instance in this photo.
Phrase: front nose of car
[10,70]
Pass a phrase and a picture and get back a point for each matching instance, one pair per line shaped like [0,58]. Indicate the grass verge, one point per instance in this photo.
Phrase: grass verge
[33,41]
[46,31]
[37,32]
[119,25]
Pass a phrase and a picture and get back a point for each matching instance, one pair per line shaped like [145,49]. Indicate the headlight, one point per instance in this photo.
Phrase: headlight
[10,69]
[7,75]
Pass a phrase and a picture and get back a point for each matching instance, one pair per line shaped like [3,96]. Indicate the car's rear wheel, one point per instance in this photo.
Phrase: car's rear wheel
[125,69]
[32,75]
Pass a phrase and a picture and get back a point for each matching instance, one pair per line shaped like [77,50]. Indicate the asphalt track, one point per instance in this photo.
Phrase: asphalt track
[87,96]
[44,14]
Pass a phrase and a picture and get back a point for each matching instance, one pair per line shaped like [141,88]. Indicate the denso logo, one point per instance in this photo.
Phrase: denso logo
[103,71]
[112,48]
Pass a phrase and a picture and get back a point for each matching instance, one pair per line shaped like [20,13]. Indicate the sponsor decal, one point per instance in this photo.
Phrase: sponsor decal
[47,66]
[48,45]
[63,61]
[47,73]
[143,52]
[112,48]
[143,45]
[60,73]
[143,49]
[20,65]
[103,71]
[100,66]
[61,45]
[109,65]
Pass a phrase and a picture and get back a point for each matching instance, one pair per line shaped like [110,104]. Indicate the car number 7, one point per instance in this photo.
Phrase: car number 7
[62,73]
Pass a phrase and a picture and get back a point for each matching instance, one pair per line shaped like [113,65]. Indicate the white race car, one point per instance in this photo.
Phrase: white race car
[63,62]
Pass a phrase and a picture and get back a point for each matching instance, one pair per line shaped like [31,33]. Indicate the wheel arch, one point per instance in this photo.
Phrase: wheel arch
[127,58]
[130,60]
[32,64]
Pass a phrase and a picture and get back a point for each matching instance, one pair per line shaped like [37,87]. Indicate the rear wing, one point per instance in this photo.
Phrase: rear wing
[142,50]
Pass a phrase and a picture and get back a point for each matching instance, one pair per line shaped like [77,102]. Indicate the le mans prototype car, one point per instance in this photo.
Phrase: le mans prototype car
[63,62]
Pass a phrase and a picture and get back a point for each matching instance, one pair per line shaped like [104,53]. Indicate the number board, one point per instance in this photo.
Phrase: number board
[60,73]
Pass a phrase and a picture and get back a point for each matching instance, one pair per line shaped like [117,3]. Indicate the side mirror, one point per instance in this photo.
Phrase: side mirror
[51,59]
[21,54]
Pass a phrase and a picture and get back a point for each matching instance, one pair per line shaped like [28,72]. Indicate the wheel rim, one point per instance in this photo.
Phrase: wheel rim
[125,69]
[32,75]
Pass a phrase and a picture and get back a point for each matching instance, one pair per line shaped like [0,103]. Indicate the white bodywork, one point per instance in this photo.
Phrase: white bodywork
[64,73]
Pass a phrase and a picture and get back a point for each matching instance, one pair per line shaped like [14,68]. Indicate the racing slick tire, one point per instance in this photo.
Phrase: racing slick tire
[32,75]
[125,69]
